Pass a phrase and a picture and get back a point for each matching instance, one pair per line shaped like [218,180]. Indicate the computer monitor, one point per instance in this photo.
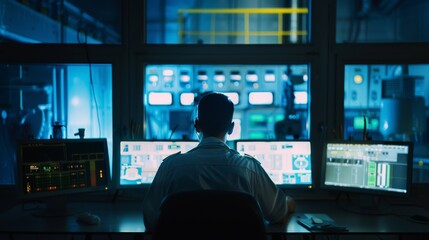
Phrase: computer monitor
[368,167]
[48,169]
[367,172]
[140,159]
[288,163]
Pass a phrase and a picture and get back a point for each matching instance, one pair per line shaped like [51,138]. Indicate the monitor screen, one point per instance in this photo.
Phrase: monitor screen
[49,168]
[160,98]
[286,162]
[261,98]
[233,96]
[187,99]
[377,167]
[141,159]
[53,171]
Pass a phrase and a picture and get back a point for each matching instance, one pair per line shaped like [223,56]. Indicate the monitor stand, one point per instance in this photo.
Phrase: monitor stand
[365,204]
[55,207]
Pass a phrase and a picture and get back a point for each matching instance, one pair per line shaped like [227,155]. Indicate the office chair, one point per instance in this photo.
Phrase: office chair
[210,214]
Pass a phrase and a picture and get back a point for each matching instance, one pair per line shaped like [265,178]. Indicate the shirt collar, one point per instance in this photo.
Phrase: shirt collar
[212,141]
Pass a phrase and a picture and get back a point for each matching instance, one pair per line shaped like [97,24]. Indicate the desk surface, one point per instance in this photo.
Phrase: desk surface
[120,217]
[396,222]
[126,217]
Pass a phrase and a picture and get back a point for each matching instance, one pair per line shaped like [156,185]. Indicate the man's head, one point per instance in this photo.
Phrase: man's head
[214,118]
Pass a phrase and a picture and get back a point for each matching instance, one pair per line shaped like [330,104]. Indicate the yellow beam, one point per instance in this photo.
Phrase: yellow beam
[180,23]
[244,33]
[213,29]
[245,10]
[246,29]
[280,28]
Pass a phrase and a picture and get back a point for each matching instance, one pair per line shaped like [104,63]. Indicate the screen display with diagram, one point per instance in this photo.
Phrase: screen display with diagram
[368,166]
[141,159]
[286,162]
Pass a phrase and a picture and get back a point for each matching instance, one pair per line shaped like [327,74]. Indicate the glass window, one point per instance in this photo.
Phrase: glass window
[271,101]
[228,22]
[389,21]
[392,102]
[67,21]
[35,97]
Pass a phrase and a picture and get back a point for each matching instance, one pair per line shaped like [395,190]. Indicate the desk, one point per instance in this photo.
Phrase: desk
[125,217]
[397,223]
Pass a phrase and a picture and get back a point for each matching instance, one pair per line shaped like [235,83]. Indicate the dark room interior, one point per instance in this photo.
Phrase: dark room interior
[330,97]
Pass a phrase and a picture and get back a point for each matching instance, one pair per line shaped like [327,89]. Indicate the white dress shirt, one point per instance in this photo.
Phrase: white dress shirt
[213,165]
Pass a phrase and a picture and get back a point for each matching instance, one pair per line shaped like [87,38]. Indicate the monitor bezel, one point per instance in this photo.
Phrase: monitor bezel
[286,186]
[118,169]
[60,193]
[369,191]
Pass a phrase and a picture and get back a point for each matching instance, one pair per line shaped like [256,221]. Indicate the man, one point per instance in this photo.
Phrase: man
[213,165]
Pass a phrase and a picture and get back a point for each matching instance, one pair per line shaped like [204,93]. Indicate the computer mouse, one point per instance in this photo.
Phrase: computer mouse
[88,218]
[316,220]
[419,218]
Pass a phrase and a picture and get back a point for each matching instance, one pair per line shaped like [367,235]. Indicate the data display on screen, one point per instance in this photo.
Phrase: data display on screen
[261,98]
[286,162]
[59,167]
[160,98]
[140,160]
[368,166]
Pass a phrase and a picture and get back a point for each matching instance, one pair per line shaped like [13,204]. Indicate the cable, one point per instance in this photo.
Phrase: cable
[172,131]
[93,94]
[85,43]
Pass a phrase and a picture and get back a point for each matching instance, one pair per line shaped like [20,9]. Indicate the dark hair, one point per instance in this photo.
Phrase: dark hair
[215,112]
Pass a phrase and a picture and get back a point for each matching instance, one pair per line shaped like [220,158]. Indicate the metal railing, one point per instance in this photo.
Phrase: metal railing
[246,32]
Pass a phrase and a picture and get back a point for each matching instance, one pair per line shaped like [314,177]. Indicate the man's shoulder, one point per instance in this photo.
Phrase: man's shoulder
[247,157]
[172,156]
[251,158]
